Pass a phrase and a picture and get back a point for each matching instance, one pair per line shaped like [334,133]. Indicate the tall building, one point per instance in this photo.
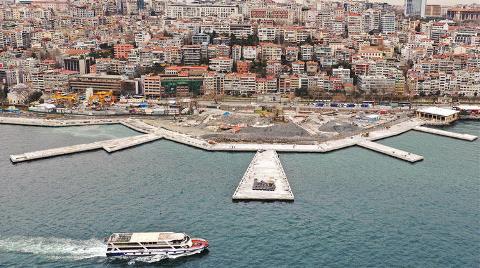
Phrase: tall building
[388,23]
[433,11]
[415,8]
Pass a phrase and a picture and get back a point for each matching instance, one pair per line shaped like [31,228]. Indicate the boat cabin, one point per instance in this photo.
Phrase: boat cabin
[145,241]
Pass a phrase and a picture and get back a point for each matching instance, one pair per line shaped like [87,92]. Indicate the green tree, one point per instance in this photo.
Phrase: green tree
[252,40]
[212,36]
[260,68]
[301,92]
[35,96]
[3,92]
[417,28]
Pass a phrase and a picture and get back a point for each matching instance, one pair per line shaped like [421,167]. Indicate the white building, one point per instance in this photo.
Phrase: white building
[249,52]
[388,23]
[221,64]
[181,11]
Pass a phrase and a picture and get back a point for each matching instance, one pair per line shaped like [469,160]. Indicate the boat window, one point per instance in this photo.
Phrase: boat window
[133,248]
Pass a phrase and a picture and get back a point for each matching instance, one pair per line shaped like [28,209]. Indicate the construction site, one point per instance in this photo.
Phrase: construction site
[273,124]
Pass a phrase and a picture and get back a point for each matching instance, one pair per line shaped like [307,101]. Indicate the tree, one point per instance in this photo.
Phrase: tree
[259,68]
[301,92]
[252,40]
[3,92]
[212,35]
[417,28]
[204,61]
[167,34]
[35,96]
[233,40]
[308,40]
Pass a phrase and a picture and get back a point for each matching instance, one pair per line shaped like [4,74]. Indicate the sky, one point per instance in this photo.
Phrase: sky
[432,2]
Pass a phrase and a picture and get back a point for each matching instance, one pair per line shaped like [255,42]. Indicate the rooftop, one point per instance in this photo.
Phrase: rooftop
[145,237]
[437,111]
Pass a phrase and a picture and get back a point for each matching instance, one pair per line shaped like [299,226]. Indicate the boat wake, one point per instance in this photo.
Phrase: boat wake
[54,248]
[152,259]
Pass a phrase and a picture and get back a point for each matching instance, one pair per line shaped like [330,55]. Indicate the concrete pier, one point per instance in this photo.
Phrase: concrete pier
[55,122]
[439,132]
[153,133]
[266,167]
[121,144]
[138,126]
[412,158]
[394,130]
[183,139]
[108,145]
[56,152]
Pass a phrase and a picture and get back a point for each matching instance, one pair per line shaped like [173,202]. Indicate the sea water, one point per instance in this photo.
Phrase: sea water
[352,208]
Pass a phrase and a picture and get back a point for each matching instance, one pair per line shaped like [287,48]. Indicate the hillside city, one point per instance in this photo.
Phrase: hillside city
[100,52]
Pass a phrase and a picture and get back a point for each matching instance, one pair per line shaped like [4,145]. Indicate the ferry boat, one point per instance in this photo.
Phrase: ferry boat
[153,243]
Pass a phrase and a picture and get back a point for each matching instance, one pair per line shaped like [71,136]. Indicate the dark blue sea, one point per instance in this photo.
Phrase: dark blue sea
[353,207]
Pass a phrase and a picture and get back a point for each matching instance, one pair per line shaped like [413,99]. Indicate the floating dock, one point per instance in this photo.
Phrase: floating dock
[265,167]
[412,158]
[439,132]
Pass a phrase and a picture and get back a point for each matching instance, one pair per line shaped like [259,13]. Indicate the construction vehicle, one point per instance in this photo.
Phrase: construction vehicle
[101,99]
[62,99]
[278,114]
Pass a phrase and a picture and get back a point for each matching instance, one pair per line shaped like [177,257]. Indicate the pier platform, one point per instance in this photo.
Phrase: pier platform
[266,168]
[439,132]
[403,155]
[108,145]
[121,144]
[56,152]
[138,126]
[183,139]
[55,122]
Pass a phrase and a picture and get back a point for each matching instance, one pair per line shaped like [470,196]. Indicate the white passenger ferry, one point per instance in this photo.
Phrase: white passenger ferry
[153,243]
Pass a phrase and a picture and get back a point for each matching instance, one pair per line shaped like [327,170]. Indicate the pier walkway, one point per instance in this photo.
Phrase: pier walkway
[120,144]
[138,126]
[55,122]
[108,145]
[152,133]
[390,151]
[439,132]
[265,168]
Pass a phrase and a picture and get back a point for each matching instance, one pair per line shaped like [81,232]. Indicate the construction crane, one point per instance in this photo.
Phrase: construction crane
[65,99]
[101,99]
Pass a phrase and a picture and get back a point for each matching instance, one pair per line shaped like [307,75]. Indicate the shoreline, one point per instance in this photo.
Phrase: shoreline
[364,138]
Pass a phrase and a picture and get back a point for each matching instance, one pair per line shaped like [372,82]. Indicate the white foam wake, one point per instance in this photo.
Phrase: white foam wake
[54,248]
[156,258]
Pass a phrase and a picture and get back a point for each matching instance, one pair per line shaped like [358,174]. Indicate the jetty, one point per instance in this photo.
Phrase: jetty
[151,133]
[444,133]
[40,122]
[266,170]
[121,144]
[403,155]
[108,145]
